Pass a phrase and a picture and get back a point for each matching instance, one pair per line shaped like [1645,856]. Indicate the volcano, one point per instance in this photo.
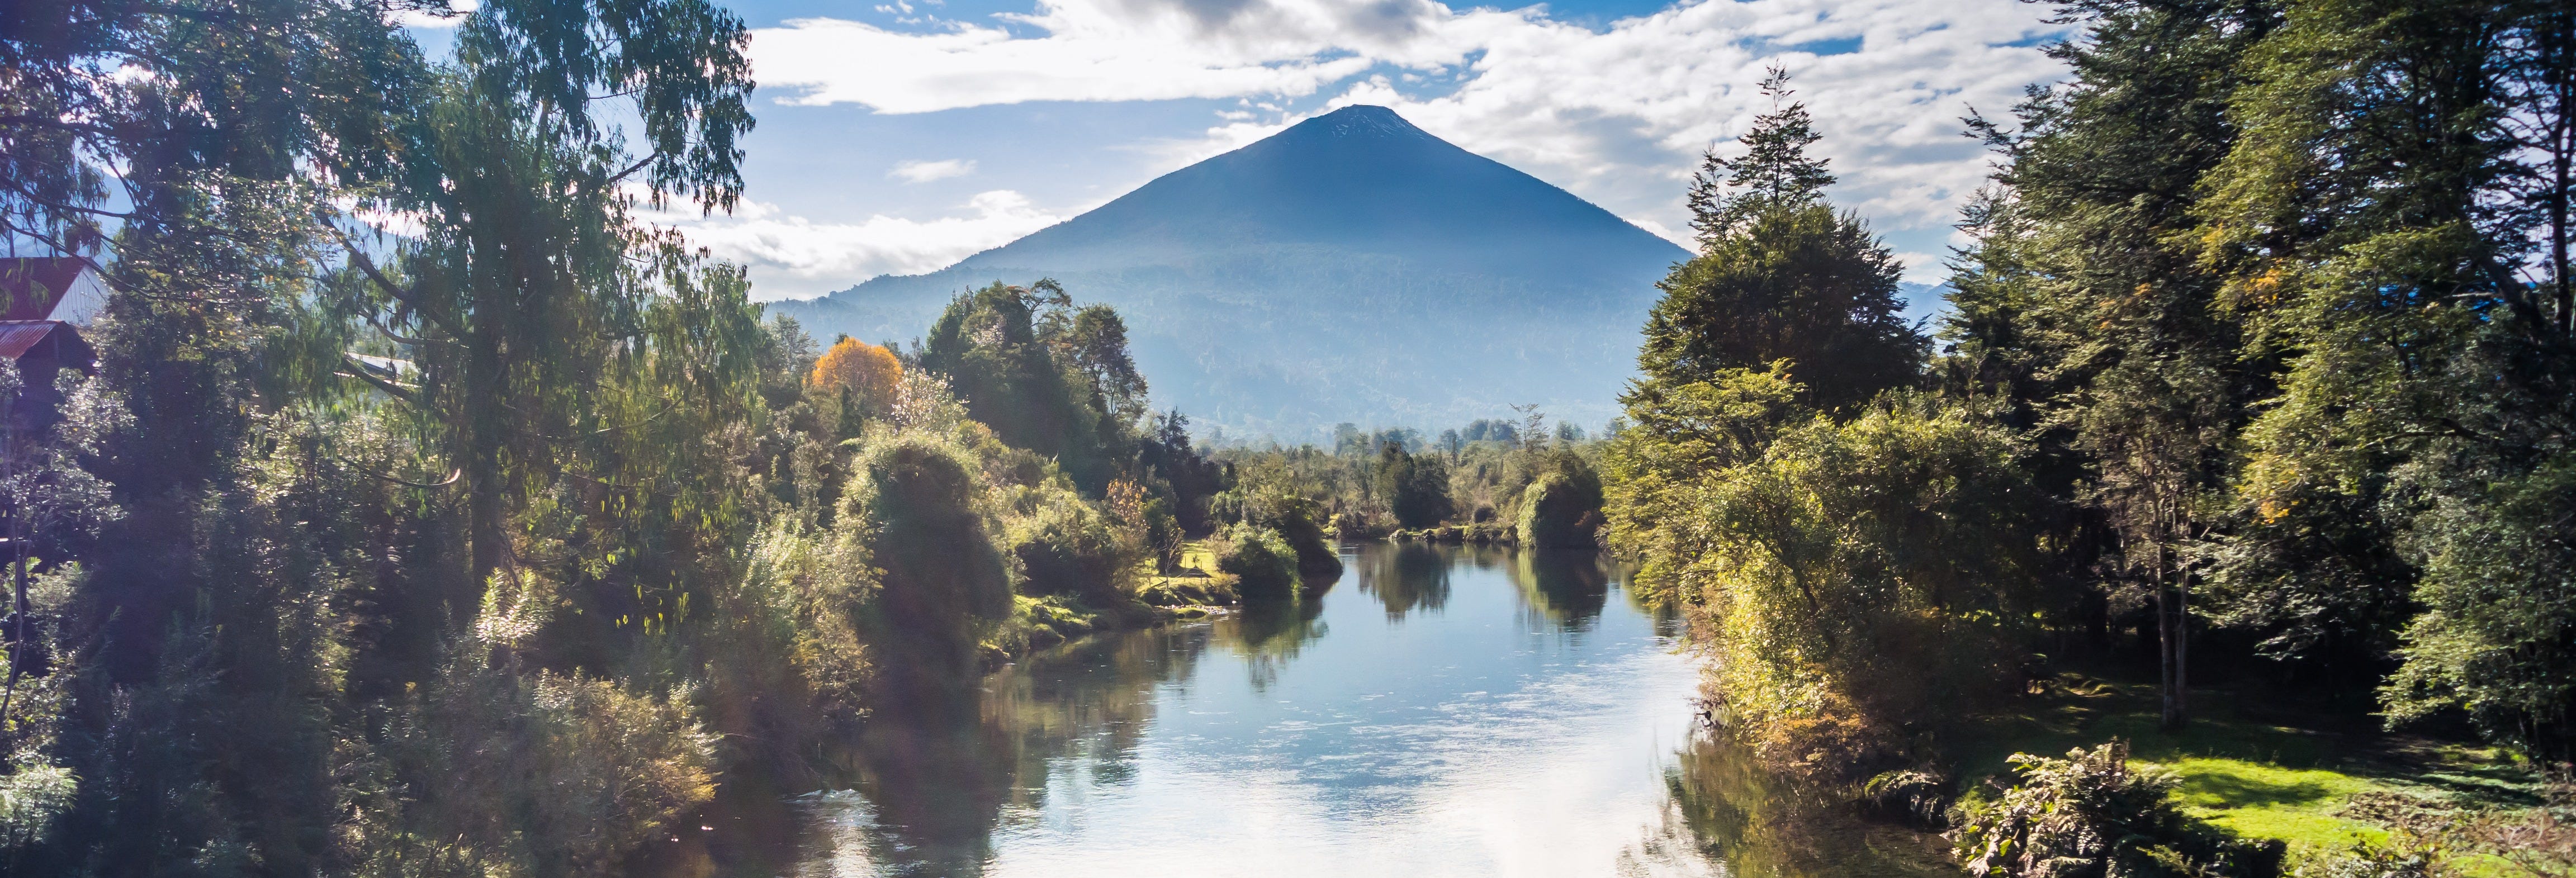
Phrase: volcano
[1352,268]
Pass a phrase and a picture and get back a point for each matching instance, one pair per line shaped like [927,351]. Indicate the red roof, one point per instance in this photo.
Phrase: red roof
[17,336]
[30,286]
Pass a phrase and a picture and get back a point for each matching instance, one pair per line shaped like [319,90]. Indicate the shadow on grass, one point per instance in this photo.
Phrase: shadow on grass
[2218,789]
[2272,749]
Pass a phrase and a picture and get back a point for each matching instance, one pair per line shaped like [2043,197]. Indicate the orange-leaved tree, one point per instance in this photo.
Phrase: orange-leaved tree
[869,372]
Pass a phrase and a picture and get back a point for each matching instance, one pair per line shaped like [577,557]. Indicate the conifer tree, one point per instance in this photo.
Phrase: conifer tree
[1780,275]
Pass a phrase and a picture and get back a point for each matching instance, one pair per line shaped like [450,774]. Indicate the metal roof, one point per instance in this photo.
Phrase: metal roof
[17,337]
[31,286]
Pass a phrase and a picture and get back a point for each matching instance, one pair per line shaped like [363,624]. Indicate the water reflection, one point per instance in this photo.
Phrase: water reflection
[1406,577]
[1722,809]
[1568,588]
[1269,635]
[1458,712]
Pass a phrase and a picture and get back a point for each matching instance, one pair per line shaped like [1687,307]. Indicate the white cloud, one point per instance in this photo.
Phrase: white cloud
[792,257]
[919,171]
[1618,116]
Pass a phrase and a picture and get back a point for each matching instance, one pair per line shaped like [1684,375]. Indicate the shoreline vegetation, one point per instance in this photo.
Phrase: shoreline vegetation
[2220,525]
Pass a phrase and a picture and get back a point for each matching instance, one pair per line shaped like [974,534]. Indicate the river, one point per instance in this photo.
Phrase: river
[1440,711]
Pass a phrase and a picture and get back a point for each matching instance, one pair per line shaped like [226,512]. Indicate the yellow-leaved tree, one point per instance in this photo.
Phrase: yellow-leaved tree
[869,372]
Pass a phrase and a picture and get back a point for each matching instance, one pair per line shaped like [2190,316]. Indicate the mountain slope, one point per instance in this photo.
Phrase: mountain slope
[1350,268]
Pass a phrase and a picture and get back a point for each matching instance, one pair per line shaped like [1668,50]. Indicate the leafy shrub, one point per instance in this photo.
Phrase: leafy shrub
[1263,565]
[915,506]
[1415,487]
[30,797]
[2091,815]
[1064,547]
[506,773]
[1562,509]
[1853,574]
[1911,795]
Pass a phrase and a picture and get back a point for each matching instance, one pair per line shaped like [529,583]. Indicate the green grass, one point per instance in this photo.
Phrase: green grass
[1197,590]
[2257,773]
[2262,800]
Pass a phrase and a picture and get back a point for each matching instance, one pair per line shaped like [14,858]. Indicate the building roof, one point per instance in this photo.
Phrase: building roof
[48,288]
[19,336]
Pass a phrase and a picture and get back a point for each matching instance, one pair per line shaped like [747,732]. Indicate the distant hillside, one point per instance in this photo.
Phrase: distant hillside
[1350,268]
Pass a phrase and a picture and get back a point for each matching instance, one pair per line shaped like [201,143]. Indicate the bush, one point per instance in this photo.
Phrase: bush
[499,772]
[2091,816]
[1415,487]
[1261,562]
[1066,548]
[1911,796]
[1879,568]
[914,506]
[1562,509]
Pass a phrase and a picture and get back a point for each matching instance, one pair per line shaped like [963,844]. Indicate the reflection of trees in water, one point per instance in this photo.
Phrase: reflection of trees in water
[1566,588]
[1270,634]
[1407,577]
[1723,814]
[938,780]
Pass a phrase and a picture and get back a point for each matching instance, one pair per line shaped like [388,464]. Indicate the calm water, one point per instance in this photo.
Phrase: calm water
[1440,711]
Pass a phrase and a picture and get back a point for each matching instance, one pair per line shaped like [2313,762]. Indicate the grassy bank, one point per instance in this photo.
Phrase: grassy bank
[2251,766]
[1194,591]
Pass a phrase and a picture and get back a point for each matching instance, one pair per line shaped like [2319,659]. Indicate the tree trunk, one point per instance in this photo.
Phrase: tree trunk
[2172,629]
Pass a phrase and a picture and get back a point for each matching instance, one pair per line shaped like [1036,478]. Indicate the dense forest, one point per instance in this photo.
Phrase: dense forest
[429,514]
[2257,366]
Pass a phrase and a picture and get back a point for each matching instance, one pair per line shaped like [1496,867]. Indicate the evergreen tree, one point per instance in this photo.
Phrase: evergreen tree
[2078,308]
[1781,276]
[1775,170]
[2393,224]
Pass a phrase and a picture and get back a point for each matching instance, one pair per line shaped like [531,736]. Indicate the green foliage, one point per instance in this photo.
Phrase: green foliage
[1415,487]
[1798,283]
[1278,493]
[1263,564]
[917,506]
[1878,566]
[1562,509]
[1775,170]
[1682,433]
[2499,596]
[1066,547]
[1046,376]
[1780,276]
[30,798]
[2092,814]
[2423,381]
[570,775]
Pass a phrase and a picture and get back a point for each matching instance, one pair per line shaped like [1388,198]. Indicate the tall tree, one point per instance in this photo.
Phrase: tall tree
[1781,276]
[2077,304]
[2394,223]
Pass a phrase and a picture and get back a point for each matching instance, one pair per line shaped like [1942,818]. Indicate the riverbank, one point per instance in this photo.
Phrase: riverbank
[1195,591]
[1389,727]
[2253,765]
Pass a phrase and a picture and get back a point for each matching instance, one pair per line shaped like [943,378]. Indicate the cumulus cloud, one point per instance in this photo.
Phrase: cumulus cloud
[918,171]
[792,257]
[1618,115]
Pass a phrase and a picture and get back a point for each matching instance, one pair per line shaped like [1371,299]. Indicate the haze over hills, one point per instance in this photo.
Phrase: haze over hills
[1351,268]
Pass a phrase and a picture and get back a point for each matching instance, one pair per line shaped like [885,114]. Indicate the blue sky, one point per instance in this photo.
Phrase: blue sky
[902,135]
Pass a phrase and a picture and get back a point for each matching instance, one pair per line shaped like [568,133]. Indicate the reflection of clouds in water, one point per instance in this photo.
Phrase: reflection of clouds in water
[1529,726]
